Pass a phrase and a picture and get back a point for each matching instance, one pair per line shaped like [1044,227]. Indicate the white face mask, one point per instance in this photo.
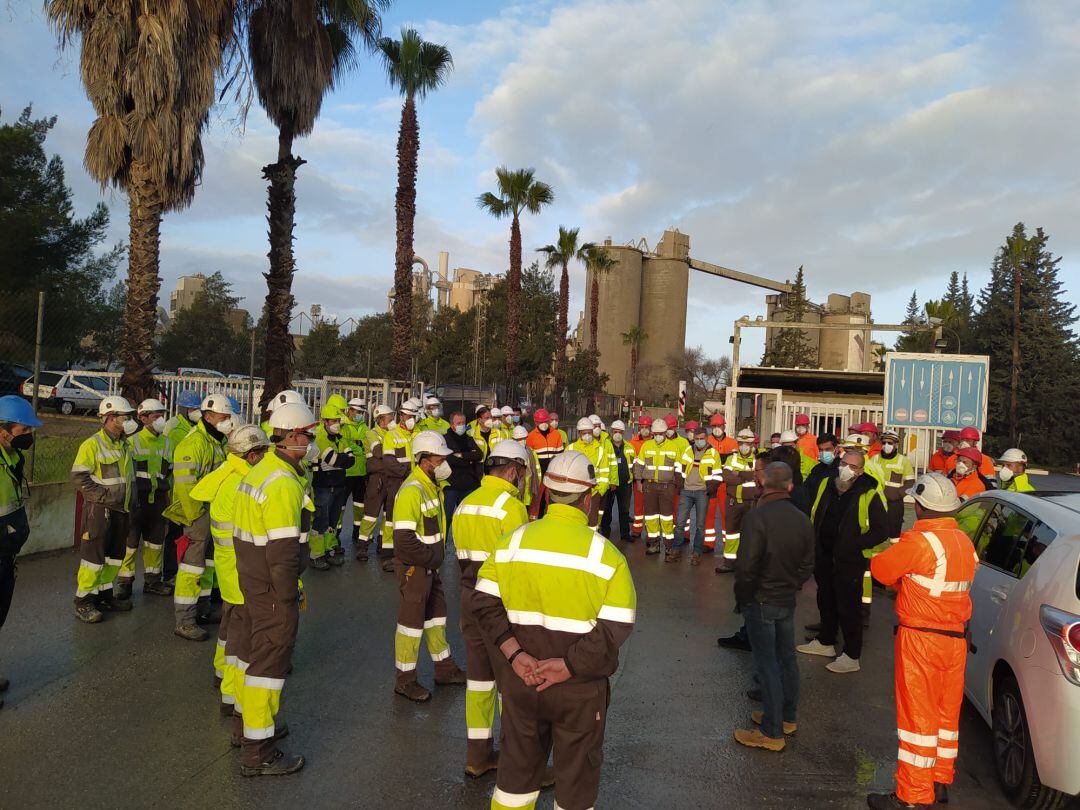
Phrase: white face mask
[311,453]
[617,438]
[586,438]
[1005,474]
[847,474]
[130,426]
[226,425]
[947,447]
[718,432]
[435,413]
[158,425]
[962,469]
[745,449]
[333,428]
[410,423]
[554,424]
[659,438]
[543,426]
[887,448]
[486,424]
[442,472]
[645,434]
[596,431]
[964,444]
[801,431]
[670,433]
[194,416]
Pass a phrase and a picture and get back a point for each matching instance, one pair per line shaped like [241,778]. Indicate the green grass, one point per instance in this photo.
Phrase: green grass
[53,457]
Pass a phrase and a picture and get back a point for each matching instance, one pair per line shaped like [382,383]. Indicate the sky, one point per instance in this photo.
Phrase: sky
[880,146]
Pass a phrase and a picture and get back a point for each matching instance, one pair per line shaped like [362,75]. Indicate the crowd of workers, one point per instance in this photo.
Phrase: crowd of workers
[546,597]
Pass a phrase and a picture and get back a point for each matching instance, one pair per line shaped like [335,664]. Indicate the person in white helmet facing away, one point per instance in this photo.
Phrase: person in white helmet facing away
[104,472]
[419,544]
[531,492]
[201,451]
[1013,474]
[395,465]
[376,494]
[152,453]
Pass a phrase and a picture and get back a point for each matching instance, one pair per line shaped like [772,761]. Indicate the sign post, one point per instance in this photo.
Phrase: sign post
[936,391]
[682,399]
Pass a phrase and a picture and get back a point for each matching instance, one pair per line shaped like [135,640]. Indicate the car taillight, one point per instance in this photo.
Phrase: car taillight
[1063,630]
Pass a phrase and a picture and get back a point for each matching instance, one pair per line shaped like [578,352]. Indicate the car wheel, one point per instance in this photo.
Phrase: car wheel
[1014,757]
[66,408]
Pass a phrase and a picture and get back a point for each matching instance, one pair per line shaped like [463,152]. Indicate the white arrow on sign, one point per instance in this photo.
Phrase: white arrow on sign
[922,380]
[970,378]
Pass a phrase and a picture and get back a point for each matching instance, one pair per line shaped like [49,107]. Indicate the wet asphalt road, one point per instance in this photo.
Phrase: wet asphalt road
[122,714]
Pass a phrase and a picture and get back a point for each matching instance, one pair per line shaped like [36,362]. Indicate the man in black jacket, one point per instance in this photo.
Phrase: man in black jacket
[828,463]
[466,464]
[776,556]
[849,515]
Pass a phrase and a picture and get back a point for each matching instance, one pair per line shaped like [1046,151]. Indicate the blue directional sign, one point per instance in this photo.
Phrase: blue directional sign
[943,391]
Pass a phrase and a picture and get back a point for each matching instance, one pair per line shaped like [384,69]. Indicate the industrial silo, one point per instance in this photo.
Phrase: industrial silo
[664,283]
[620,302]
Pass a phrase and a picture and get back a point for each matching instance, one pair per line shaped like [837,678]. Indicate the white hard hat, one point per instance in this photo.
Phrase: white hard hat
[408,407]
[358,404]
[507,410]
[889,434]
[151,405]
[283,398]
[935,492]
[429,401]
[292,416]
[570,472]
[618,425]
[217,403]
[114,405]
[856,441]
[1014,454]
[430,442]
[594,419]
[746,435]
[382,410]
[508,448]
[584,425]
[519,432]
[659,426]
[247,438]
[789,436]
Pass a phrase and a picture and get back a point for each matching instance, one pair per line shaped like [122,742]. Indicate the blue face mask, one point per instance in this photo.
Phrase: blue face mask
[827,456]
[700,443]
[460,429]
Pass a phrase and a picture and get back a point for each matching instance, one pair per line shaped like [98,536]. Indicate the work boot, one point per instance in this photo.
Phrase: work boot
[476,771]
[695,558]
[672,556]
[225,709]
[337,559]
[815,647]
[889,801]
[755,739]
[941,791]
[279,764]
[757,716]
[725,567]
[652,547]
[191,632]
[320,563]
[412,690]
[361,551]
[754,695]
[157,588]
[122,591]
[387,564]
[5,683]
[86,612]
[113,604]
[865,615]
[735,642]
[448,673]
[280,731]
[844,665]
[213,617]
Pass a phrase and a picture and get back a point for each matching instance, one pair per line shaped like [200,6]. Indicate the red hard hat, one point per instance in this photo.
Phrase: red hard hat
[691,426]
[541,415]
[553,416]
[950,436]
[867,427]
[969,434]
[971,453]
[672,421]
[802,419]
[644,420]
[717,420]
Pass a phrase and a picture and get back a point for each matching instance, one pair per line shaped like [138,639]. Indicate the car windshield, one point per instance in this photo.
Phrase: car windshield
[49,377]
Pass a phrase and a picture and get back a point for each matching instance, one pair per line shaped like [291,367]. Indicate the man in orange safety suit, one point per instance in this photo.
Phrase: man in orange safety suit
[932,568]
[643,435]
[724,445]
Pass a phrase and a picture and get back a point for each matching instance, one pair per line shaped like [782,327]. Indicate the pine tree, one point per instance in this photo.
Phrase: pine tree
[790,348]
[952,292]
[913,341]
[1048,385]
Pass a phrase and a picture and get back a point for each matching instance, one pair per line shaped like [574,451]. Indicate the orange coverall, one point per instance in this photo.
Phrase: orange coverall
[639,496]
[717,504]
[932,567]
[986,467]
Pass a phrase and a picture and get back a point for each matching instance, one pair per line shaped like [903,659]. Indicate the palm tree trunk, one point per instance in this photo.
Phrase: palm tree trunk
[1014,406]
[513,309]
[281,207]
[408,147]
[594,309]
[560,356]
[140,317]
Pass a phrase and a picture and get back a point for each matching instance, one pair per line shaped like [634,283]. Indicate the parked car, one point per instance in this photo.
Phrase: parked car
[67,391]
[1023,666]
[12,376]
[185,371]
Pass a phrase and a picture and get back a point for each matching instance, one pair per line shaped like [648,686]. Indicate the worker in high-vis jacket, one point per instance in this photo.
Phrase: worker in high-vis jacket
[1013,475]
[395,464]
[355,430]
[104,472]
[329,487]
[433,417]
[271,518]
[375,488]
[199,453]
[594,449]
[247,446]
[188,414]
[555,602]
[716,509]
[738,475]
[153,458]
[419,545]
[280,398]
[483,516]
[531,491]
[932,567]
[658,470]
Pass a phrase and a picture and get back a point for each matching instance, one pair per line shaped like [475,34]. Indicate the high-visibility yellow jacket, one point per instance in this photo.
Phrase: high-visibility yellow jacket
[197,455]
[629,454]
[270,518]
[1018,483]
[219,489]
[153,459]
[562,589]
[601,461]
[355,434]
[739,477]
[485,443]
[436,423]
[659,463]
[709,466]
[374,449]
[895,474]
[11,491]
[177,428]
[335,457]
[532,477]
[419,522]
[613,469]
[486,514]
[105,472]
[397,460]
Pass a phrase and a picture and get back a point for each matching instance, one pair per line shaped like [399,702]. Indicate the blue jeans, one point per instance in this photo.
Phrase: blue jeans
[695,500]
[772,637]
[329,501]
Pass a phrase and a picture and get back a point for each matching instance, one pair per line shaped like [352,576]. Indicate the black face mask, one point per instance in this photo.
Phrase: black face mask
[23,441]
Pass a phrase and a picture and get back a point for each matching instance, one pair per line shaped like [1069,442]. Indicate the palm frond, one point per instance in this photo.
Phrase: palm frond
[413,66]
[496,206]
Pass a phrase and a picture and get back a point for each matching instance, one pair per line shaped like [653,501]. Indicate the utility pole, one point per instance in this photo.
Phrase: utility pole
[37,369]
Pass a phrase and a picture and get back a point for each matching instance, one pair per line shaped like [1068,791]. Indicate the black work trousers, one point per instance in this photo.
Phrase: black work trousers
[839,599]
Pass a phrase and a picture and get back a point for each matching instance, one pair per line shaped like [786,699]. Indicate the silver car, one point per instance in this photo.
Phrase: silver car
[67,391]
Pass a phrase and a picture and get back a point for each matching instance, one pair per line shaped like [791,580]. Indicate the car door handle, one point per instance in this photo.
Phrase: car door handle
[999,594]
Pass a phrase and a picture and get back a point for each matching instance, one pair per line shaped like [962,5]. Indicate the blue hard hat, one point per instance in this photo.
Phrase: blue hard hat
[18,410]
[235,403]
[188,398]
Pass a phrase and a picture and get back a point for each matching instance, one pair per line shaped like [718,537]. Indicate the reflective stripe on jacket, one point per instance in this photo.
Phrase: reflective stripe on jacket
[198,454]
[419,522]
[486,514]
[659,463]
[153,458]
[739,477]
[219,489]
[105,472]
[597,454]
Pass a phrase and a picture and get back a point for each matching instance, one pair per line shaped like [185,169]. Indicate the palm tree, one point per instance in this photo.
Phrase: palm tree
[599,262]
[149,72]
[414,67]
[298,50]
[633,338]
[560,255]
[519,191]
